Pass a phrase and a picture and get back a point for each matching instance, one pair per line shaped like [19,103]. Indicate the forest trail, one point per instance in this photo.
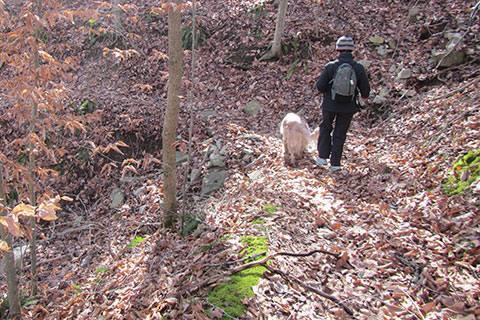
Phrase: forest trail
[390,243]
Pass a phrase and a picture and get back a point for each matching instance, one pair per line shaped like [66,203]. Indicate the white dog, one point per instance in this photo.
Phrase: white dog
[296,136]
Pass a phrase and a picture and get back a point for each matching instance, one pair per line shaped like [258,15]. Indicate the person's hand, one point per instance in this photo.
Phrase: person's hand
[362,102]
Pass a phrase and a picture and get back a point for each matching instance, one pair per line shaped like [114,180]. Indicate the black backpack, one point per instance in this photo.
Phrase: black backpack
[344,83]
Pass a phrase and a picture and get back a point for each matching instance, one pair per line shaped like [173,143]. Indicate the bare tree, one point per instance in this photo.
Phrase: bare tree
[276,49]
[175,69]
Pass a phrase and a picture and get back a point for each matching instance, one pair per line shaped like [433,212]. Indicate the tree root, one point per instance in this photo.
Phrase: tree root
[263,262]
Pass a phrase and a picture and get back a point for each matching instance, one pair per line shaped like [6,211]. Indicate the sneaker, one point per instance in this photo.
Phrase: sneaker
[321,162]
[335,168]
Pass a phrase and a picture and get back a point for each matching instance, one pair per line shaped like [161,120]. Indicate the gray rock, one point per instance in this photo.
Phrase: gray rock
[247,155]
[180,158]
[454,58]
[195,174]
[208,113]
[255,175]
[414,14]
[217,160]
[213,181]
[382,51]
[453,36]
[253,107]
[365,63]
[140,190]
[379,100]
[252,136]
[117,198]
[405,74]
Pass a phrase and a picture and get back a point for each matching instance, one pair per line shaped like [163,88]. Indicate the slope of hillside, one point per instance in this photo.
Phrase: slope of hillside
[380,239]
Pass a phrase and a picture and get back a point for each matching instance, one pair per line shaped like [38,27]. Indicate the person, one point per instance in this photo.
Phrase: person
[337,115]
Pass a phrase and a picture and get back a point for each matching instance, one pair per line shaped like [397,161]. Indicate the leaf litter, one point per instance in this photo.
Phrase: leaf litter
[400,248]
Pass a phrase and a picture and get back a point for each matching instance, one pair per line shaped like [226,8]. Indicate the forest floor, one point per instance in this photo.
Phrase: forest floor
[380,239]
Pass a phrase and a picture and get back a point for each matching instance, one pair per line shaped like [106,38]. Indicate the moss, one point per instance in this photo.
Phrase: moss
[464,172]
[258,221]
[229,295]
[270,208]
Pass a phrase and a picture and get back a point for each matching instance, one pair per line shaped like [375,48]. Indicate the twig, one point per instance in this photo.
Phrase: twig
[71,230]
[242,267]
[306,254]
[253,256]
[289,277]
[451,93]
[417,267]
[462,115]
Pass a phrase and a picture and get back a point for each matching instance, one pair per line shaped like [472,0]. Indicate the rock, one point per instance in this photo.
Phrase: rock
[255,175]
[414,14]
[376,40]
[365,63]
[195,174]
[247,155]
[454,58]
[213,181]
[453,36]
[208,113]
[253,107]
[379,100]
[180,158]
[405,74]
[217,160]
[139,191]
[409,93]
[117,198]
[382,51]
[392,43]
[252,136]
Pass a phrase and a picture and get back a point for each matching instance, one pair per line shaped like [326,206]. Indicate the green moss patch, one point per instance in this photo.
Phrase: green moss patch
[229,295]
[464,172]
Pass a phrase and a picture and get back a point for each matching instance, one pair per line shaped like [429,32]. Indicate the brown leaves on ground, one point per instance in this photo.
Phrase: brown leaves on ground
[402,249]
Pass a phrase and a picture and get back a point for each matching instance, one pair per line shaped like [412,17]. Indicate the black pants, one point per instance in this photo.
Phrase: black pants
[331,146]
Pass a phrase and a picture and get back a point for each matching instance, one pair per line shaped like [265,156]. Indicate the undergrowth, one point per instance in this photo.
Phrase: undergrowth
[228,296]
[464,173]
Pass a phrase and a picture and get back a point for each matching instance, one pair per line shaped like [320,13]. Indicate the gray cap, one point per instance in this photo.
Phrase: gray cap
[344,43]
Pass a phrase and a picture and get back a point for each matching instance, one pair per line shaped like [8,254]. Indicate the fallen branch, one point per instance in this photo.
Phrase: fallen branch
[449,123]
[289,277]
[451,93]
[415,266]
[242,267]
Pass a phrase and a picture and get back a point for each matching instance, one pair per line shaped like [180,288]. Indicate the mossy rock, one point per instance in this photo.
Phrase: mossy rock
[464,172]
[229,295]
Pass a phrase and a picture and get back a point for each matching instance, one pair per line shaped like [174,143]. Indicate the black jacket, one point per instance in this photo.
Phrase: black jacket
[324,85]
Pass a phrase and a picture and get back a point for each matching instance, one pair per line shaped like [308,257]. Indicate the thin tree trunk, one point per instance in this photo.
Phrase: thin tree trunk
[12,283]
[175,71]
[32,161]
[276,50]
[190,100]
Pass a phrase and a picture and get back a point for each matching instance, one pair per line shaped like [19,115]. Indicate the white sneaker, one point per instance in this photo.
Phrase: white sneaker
[321,162]
[335,168]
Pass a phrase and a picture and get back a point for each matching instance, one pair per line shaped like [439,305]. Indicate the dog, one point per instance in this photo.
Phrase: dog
[296,136]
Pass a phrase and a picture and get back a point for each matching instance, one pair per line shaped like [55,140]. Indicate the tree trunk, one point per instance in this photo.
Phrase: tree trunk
[175,72]
[32,161]
[276,50]
[10,272]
